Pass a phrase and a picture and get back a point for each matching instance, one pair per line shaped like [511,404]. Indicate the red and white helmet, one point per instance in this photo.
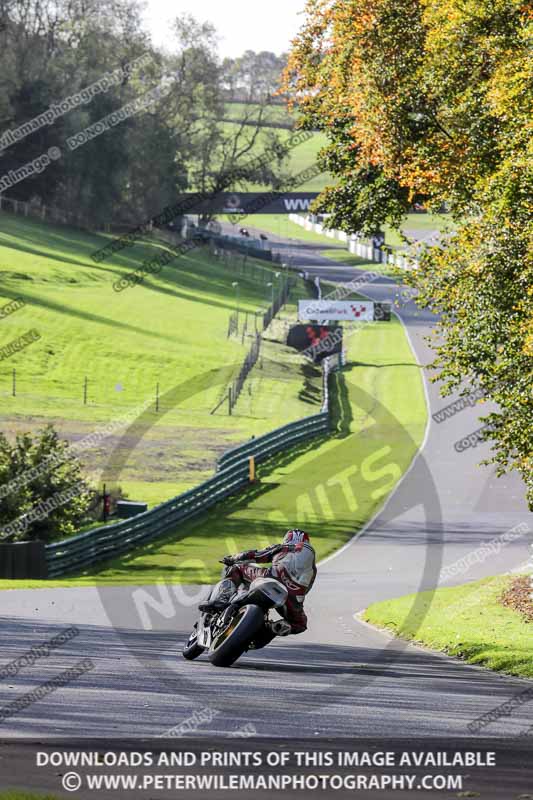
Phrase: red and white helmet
[296,536]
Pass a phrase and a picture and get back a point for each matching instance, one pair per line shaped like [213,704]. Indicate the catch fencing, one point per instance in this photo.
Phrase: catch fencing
[278,302]
[249,363]
[107,542]
[253,354]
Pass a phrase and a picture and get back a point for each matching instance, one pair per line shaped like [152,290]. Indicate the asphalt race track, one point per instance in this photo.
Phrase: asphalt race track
[341,678]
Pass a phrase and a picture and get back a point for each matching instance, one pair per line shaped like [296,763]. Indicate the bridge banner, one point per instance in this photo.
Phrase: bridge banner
[243,203]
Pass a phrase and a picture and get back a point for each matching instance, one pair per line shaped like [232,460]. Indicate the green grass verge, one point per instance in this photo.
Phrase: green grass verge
[170,329]
[465,621]
[15,794]
[123,343]
[330,486]
[418,224]
[351,260]
[281,225]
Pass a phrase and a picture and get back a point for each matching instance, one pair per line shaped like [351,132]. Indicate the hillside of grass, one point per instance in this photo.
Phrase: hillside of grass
[330,486]
[171,330]
[467,621]
[252,113]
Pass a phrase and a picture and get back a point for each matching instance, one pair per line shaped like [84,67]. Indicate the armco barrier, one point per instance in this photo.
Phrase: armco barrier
[280,439]
[104,543]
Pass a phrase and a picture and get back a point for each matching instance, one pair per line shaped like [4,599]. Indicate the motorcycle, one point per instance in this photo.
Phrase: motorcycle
[241,625]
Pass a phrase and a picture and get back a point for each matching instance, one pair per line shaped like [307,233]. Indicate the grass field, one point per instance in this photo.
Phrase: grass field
[331,487]
[271,115]
[171,330]
[465,621]
[352,260]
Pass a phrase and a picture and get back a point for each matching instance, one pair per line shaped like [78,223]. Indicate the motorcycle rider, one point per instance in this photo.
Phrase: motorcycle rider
[293,565]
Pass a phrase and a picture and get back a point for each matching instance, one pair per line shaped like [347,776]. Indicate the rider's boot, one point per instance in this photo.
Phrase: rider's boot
[280,627]
[272,629]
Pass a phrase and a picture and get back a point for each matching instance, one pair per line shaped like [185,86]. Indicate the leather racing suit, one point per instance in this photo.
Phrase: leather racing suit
[293,565]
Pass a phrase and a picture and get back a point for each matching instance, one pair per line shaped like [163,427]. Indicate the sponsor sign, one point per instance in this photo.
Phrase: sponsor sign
[336,310]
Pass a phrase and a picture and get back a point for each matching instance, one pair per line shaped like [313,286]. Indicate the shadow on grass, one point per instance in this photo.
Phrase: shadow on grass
[61,308]
[341,416]
[51,255]
[311,393]
[351,364]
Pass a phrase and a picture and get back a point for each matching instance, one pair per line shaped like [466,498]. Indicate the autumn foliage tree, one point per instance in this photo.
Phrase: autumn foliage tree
[431,100]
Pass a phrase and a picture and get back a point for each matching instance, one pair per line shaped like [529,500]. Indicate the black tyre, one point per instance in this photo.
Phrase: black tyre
[231,644]
[192,649]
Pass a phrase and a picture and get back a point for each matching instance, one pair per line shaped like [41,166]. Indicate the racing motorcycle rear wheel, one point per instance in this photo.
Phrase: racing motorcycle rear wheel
[232,642]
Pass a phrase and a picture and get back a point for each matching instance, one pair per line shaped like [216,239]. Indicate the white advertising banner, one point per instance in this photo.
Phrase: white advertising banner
[350,310]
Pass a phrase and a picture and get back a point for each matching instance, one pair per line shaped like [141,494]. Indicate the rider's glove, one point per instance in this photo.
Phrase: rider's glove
[229,561]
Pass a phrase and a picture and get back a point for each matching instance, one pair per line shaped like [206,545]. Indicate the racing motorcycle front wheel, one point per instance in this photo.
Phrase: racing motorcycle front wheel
[192,649]
[233,640]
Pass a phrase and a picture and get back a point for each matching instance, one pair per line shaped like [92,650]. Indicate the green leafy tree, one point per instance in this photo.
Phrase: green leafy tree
[57,491]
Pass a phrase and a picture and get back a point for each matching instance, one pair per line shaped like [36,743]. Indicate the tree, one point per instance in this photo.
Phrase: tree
[430,100]
[52,49]
[55,500]
[253,77]
[224,156]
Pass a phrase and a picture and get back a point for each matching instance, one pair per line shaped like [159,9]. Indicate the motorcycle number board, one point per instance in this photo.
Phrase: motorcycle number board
[336,310]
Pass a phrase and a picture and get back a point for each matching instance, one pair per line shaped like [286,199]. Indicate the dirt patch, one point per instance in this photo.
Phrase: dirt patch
[162,453]
[518,597]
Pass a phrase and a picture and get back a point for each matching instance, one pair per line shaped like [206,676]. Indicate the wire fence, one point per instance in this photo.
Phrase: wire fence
[278,302]
[97,391]
[249,363]
[34,209]
[18,387]
[252,357]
